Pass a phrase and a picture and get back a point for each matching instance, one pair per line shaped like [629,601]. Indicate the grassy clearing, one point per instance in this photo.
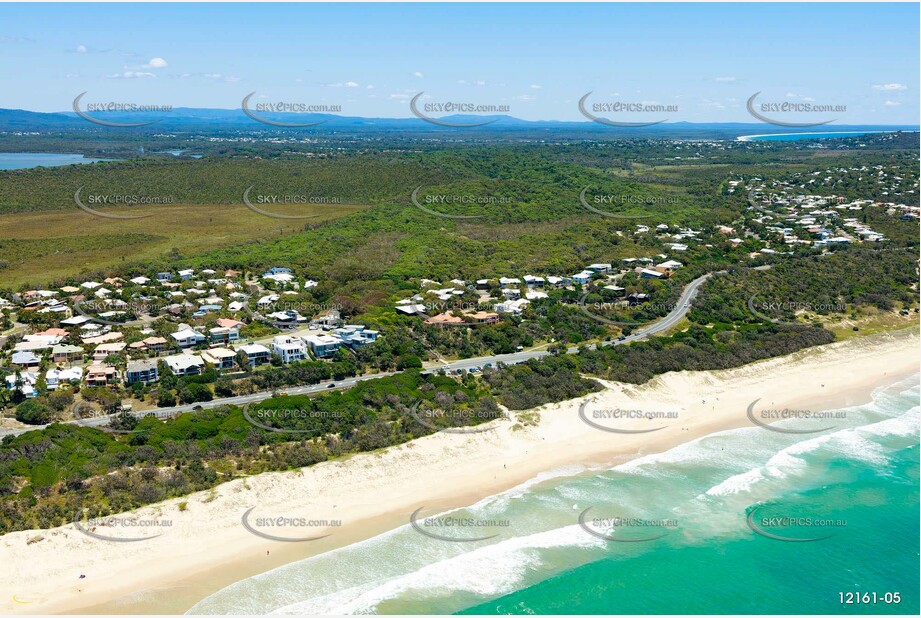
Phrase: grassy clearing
[38,247]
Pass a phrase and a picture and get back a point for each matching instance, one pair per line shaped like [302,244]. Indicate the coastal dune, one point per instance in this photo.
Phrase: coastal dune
[208,545]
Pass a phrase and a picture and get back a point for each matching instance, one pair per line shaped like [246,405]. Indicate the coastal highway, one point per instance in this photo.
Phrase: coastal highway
[671,319]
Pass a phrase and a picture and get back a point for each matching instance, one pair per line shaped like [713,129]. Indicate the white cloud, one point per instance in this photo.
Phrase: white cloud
[131,75]
[156,63]
[81,49]
[535,86]
[369,87]
[891,103]
[400,97]
[418,73]
[724,80]
[893,86]
[213,75]
[343,85]
[231,79]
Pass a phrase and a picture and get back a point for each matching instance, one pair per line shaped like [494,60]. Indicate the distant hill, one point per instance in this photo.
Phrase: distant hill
[187,119]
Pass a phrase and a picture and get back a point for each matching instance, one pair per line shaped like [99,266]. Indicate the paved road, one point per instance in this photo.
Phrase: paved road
[671,319]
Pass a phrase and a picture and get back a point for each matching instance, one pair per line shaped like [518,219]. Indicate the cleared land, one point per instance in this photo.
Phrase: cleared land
[40,246]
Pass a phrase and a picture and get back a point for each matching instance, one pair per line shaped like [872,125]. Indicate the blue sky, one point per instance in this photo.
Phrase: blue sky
[538,59]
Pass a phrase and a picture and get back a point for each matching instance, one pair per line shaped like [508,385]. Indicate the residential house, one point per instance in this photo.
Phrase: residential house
[142,371]
[290,349]
[104,350]
[583,277]
[63,353]
[514,307]
[355,336]
[55,378]
[221,358]
[25,360]
[534,282]
[227,331]
[187,337]
[185,364]
[24,382]
[324,346]
[100,375]
[256,353]
[327,320]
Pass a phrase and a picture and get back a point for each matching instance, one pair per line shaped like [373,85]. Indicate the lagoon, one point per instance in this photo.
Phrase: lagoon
[26,160]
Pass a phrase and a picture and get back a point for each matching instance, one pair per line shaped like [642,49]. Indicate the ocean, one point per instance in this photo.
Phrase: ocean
[792,137]
[742,521]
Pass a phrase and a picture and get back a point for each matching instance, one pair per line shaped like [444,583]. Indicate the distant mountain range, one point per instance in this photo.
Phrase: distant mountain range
[189,119]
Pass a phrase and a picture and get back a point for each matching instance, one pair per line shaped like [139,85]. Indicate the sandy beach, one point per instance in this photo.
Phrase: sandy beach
[206,546]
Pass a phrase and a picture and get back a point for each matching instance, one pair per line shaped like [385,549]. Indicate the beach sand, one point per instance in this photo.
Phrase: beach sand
[207,547]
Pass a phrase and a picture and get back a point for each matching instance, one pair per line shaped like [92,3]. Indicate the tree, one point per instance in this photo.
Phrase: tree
[34,412]
[409,361]
[59,400]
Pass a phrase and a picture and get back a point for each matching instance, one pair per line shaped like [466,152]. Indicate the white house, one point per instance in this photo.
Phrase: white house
[54,378]
[513,307]
[290,349]
[256,353]
[187,337]
[185,364]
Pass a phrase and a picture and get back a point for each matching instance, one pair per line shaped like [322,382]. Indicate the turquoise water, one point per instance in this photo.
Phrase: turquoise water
[791,137]
[25,160]
[861,476]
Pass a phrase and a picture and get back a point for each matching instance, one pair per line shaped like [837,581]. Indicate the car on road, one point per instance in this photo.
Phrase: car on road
[621,338]
[331,385]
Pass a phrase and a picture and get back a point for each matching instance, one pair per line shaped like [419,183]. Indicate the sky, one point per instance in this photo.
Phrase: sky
[704,60]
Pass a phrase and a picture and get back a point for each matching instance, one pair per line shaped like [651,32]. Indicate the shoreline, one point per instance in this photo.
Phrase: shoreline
[751,138]
[207,548]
